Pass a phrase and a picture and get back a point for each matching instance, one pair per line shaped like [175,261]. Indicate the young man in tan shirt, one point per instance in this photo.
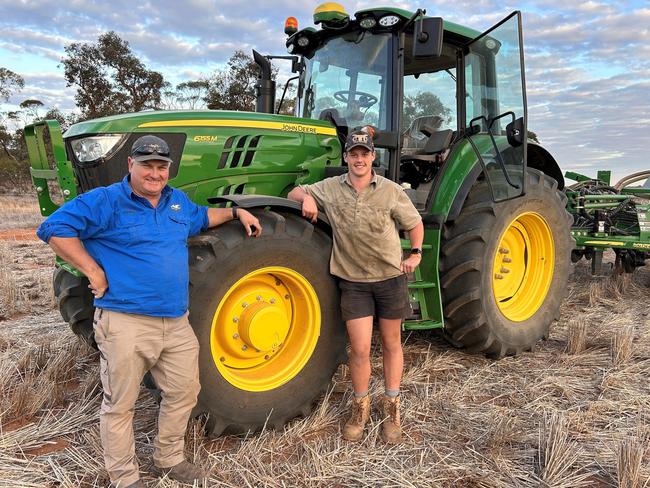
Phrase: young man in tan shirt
[366,212]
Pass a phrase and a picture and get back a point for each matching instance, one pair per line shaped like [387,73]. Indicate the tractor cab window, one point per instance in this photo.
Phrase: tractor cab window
[428,119]
[346,80]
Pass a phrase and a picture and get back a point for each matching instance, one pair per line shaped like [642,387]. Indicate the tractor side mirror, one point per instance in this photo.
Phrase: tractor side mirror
[515,132]
[427,37]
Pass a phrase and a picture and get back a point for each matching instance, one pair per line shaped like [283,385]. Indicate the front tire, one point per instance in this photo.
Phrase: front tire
[505,267]
[75,301]
[266,313]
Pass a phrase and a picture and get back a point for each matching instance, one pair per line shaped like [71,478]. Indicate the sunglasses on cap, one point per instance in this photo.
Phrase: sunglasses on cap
[150,149]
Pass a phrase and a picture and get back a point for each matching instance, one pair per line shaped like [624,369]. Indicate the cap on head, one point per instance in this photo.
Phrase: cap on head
[147,148]
[359,138]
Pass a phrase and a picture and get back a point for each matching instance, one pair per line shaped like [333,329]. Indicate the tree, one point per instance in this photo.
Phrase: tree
[187,95]
[424,103]
[233,88]
[109,78]
[10,83]
[30,108]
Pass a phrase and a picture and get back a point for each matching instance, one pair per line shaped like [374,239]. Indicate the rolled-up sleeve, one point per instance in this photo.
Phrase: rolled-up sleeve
[198,216]
[318,191]
[404,212]
[84,217]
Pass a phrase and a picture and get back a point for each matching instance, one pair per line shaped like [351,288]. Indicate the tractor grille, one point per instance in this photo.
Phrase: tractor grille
[238,151]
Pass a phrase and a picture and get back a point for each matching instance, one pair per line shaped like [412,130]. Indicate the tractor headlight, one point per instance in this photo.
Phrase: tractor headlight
[368,23]
[90,149]
[388,20]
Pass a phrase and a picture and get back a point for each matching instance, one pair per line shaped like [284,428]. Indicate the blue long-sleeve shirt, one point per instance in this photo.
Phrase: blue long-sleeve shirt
[142,249]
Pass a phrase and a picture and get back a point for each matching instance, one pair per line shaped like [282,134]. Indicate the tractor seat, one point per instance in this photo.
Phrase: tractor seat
[421,166]
[438,141]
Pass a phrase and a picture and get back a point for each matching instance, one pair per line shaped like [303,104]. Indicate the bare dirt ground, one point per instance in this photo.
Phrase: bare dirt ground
[574,412]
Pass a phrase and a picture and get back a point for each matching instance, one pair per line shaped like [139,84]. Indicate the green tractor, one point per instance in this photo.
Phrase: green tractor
[448,105]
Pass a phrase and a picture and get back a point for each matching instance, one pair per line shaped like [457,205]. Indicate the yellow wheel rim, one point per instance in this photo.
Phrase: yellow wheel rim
[523,267]
[265,329]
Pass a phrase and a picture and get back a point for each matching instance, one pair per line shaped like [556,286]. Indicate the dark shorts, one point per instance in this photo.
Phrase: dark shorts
[386,299]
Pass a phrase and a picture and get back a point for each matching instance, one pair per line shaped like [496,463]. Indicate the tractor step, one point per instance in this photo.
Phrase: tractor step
[424,290]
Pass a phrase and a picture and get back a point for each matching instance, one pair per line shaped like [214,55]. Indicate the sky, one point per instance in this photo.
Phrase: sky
[587,62]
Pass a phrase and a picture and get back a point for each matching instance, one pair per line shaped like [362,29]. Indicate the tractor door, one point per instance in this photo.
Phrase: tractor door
[495,105]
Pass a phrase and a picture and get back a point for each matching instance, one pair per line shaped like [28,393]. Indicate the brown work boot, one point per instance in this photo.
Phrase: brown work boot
[353,429]
[391,430]
[135,484]
[184,472]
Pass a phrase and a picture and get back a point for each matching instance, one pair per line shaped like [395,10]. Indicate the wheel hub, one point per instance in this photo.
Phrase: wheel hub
[523,266]
[263,326]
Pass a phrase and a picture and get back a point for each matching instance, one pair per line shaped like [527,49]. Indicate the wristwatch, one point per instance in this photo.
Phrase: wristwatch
[234,213]
[416,250]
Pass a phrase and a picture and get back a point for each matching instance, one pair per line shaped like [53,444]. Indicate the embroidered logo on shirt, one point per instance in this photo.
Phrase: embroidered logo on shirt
[176,207]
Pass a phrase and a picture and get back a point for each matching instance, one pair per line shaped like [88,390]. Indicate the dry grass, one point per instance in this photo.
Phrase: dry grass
[25,278]
[630,457]
[575,412]
[20,211]
[577,337]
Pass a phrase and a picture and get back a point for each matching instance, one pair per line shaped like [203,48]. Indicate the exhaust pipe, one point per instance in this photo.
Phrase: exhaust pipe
[265,87]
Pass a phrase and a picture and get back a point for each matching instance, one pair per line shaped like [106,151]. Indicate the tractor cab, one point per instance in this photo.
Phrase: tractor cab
[433,90]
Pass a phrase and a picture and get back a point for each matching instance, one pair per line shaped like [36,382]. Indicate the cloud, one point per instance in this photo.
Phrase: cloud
[587,63]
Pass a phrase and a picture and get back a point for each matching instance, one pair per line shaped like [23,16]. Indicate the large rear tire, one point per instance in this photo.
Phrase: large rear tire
[505,267]
[266,313]
[75,301]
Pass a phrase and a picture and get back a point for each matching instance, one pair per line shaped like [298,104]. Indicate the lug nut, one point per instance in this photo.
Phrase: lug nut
[286,296]
[235,319]
[235,336]
[267,357]
[505,270]
[258,297]
[222,359]
[498,276]
[507,260]
[503,250]
[244,347]
[272,300]
[244,305]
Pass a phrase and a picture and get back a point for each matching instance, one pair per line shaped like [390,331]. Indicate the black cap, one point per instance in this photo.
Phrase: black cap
[359,138]
[147,148]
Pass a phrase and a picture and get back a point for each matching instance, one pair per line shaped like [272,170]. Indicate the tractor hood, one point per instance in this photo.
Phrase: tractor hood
[214,153]
[173,120]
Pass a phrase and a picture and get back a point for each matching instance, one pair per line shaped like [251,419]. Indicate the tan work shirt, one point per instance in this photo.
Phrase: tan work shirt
[366,235]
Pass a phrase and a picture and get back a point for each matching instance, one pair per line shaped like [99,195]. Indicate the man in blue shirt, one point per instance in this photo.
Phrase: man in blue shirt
[130,240]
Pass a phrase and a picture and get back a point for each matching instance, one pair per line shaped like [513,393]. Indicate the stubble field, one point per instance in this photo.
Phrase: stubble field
[574,412]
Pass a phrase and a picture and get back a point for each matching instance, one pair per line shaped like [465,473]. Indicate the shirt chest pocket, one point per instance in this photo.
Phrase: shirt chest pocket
[379,220]
[130,226]
[178,226]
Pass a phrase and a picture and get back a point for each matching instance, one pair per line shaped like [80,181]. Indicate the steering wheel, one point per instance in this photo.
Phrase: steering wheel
[363,99]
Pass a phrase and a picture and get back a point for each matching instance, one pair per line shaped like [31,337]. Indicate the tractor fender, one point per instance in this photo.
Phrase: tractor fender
[539,158]
[275,203]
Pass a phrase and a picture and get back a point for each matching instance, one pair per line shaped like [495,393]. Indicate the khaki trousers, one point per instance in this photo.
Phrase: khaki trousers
[129,346]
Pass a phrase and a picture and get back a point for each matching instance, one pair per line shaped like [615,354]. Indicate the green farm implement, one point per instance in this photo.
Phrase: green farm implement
[610,216]
[449,107]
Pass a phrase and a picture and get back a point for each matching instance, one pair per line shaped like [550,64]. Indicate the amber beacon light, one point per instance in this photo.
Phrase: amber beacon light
[290,26]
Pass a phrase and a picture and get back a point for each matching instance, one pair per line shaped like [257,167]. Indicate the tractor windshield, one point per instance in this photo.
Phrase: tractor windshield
[348,76]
